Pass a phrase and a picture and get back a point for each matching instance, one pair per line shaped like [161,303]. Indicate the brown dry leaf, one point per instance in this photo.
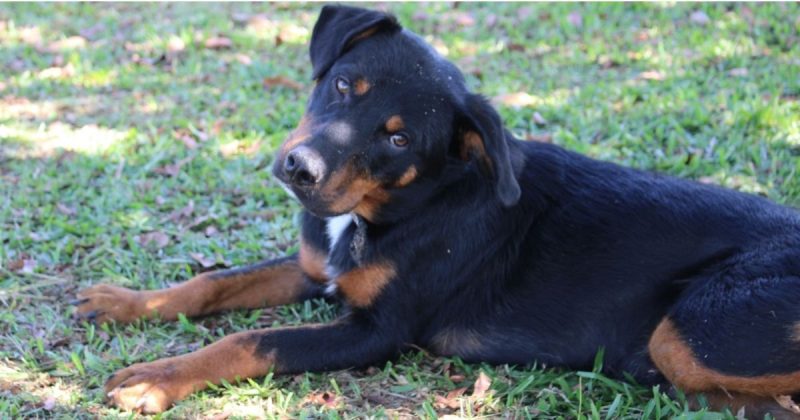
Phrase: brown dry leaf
[155,239]
[738,72]
[218,43]
[788,403]
[65,210]
[244,59]
[280,81]
[539,119]
[575,19]
[541,138]
[203,260]
[482,385]
[699,17]
[323,398]
[49,403]
[175,44]
[173,169]
[516,99]
[181,213]
[70,43]
[451,399]
[457,377]
[652,75]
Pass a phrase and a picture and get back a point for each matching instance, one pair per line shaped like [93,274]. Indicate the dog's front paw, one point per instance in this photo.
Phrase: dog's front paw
[150,387]
[103,303]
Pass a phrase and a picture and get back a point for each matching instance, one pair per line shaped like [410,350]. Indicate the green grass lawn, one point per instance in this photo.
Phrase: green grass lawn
[136,142]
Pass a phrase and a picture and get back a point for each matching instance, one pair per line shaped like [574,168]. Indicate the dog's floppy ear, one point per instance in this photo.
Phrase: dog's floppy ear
[480,136]
[338,27]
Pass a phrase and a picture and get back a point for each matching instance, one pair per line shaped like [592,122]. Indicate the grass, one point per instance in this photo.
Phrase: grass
[129,142]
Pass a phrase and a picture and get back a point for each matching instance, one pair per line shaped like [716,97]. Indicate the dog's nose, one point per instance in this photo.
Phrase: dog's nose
[303,167]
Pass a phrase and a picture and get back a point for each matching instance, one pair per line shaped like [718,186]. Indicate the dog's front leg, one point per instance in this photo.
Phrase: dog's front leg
[153,387]
[269,283]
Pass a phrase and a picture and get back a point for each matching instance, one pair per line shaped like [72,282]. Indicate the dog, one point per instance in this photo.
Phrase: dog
[438,229]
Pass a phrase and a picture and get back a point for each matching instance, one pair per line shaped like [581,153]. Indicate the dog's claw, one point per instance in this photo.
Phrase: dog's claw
[89,316]
[78,301]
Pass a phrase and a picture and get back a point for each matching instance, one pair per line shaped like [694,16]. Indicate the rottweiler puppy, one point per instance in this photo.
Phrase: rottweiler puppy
[437,228]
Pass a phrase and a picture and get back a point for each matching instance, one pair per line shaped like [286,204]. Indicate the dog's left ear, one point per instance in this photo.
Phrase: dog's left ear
[338,28]
[480,136]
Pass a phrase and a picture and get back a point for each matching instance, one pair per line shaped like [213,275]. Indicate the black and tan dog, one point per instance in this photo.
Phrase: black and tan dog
[438,229]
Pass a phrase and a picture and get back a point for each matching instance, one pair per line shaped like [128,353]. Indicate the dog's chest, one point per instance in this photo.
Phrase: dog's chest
[340,230]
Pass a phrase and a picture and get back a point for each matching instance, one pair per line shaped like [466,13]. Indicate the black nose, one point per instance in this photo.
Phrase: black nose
[303,166]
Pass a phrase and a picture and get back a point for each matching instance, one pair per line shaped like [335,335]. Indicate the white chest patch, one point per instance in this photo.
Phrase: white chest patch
[335,227]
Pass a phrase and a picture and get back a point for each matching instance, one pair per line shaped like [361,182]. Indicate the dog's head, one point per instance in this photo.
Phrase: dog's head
[386,116]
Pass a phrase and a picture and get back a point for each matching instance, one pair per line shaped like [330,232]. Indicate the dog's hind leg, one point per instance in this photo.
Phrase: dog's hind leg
[736,332]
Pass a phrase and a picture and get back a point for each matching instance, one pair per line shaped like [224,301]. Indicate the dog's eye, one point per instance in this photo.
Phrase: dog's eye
[342,85]
[398,140]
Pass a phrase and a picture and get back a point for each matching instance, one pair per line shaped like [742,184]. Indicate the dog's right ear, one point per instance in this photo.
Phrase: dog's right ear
[338,28]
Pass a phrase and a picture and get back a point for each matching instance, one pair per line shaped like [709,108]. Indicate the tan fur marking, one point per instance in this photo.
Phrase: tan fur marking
[408,176]
[204,294]
[394,124]
[362,285]
[675,359]
[456,342]
[155,386]
[363,35]
[362,86]
[298,135]
[312,262]
[348,191]
[472,144]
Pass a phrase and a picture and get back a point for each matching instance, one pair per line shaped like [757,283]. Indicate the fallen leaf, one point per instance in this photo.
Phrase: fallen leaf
[244,59]
[323,398]
[451,399]
[738,72]
[539,119]
[218,43]
[203,260]
[175,44]
[575,19]
[515,47]
[457,377]
[65,210]
[699,17]
[70,43]
[155,239]
[173,169]
[788,403]
[181,213]
[211,230]
[652,75]
[481,386]
[541,138]
[516,99]
[49,403]
[280,81]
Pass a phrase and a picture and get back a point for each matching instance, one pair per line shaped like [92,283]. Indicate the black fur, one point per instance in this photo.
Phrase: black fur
[541,255]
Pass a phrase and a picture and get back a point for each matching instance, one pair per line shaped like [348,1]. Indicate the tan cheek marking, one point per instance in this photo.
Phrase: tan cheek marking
[394,124]
[408,176]
[312,262]
[298,135]
[675,359]
[362,86]
[361,286]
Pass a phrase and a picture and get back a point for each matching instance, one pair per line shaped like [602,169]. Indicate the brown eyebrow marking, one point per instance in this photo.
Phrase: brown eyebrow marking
[394,124]
[362,86]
